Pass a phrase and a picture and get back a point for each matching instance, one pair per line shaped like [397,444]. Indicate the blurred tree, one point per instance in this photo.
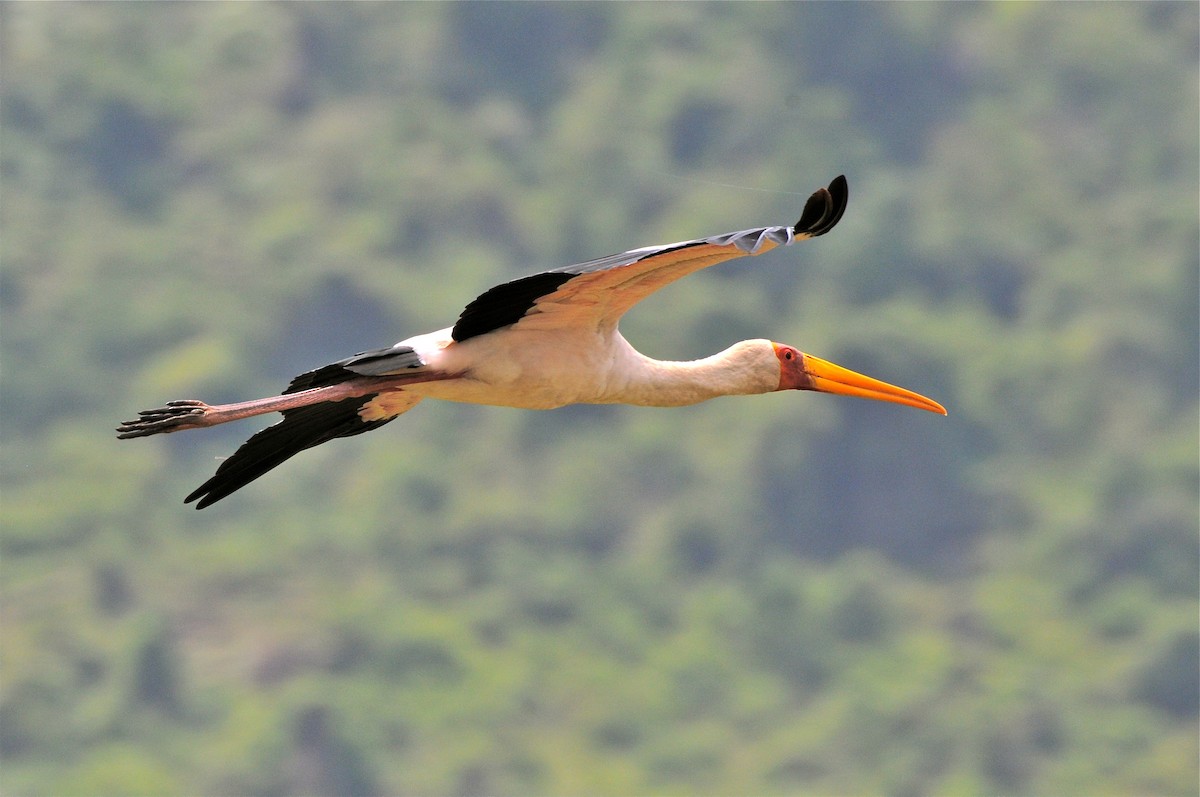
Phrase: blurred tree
[791,595]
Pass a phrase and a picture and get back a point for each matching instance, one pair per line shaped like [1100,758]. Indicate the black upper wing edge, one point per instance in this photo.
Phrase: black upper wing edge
[507,303]
[375,362]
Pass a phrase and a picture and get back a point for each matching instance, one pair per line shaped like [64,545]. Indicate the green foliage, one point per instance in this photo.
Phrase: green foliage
[786,594]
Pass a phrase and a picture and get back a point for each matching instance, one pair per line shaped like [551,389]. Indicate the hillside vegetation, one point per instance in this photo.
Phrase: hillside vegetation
[786,594]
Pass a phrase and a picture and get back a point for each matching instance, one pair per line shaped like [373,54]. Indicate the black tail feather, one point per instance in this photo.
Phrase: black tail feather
[300,428]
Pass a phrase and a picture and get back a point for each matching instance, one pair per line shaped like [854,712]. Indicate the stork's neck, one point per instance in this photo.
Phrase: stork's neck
[744,368]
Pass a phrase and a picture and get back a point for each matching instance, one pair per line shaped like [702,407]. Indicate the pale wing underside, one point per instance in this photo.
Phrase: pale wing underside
[599,298]
[595,294]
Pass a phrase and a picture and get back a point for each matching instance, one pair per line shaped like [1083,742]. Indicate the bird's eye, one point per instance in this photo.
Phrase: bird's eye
[788,354]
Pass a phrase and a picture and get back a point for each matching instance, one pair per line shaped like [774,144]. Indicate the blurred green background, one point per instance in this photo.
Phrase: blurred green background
[787,594]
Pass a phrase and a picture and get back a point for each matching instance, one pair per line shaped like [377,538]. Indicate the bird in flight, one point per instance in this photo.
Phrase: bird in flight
[539,342]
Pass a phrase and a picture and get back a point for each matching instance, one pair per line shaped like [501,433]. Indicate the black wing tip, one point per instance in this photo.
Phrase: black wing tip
[205,500]
[824,209]
[214,490]
[301,428]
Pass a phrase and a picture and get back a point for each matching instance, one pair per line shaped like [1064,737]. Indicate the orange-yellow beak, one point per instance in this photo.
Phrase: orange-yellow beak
[805,372]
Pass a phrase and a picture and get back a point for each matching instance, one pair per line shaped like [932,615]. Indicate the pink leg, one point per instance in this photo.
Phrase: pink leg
[183,414]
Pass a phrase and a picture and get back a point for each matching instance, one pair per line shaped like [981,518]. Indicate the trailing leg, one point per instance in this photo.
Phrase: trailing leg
[177,416]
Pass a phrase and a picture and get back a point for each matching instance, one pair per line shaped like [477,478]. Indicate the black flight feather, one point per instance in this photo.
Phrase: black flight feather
[301,428]
[824,208]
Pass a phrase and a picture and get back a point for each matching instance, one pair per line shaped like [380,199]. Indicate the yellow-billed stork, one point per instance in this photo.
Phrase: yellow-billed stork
[538,342]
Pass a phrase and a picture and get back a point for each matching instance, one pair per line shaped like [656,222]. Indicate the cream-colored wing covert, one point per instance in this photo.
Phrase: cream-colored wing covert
[595,294]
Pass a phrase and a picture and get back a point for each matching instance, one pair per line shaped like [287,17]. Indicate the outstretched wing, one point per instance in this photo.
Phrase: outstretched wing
[597,293]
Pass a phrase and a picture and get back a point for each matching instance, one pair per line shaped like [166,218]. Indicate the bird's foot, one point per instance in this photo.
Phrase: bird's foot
[174,417]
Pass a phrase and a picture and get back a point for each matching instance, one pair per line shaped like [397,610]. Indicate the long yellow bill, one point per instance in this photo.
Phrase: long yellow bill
[829,378]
